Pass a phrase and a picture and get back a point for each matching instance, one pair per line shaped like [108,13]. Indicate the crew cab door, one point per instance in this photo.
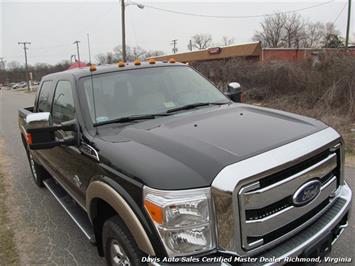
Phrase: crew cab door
[67,164]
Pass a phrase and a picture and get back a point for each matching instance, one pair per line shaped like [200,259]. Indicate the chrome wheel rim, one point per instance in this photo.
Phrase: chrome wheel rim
[32,163]
[118,256]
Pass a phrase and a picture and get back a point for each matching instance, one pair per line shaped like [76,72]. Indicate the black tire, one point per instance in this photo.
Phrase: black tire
[38,172]
[115,234]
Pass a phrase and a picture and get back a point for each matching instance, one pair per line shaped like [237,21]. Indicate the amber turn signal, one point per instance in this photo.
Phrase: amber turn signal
[151,61]
[137,62]
[29,138]
[172,60]
[155,212]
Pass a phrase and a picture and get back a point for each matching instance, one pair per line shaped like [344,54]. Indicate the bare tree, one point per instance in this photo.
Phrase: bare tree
[272,31]
[15,71]
[101,59]
[153,53]
[227,40]
[294,30]
[331,29]
[13,65]
[110,58]
[201,41]
[132,53]
[138,52]
[315,33]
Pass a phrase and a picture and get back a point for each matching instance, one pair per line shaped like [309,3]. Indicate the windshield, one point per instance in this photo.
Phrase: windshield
[146,91]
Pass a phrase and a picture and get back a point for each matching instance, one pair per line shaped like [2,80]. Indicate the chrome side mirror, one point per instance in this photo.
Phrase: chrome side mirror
[39,120]
[233,86]
[40,131]
[234,92]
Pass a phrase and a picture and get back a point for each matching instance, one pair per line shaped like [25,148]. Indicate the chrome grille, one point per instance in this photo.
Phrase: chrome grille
[266,209]
[248,195]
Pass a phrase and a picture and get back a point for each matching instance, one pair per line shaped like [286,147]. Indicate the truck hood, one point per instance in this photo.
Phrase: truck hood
[187,150]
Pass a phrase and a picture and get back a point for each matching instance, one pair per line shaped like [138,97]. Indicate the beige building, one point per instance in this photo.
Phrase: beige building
[248,51]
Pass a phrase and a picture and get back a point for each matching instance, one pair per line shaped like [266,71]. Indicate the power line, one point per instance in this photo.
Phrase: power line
[50,46]
[93,23]
[341,12]
[234,17]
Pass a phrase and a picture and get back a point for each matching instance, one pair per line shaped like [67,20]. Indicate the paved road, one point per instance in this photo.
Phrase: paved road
[56,239]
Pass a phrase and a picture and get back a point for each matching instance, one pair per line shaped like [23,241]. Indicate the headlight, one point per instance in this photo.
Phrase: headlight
[182,218]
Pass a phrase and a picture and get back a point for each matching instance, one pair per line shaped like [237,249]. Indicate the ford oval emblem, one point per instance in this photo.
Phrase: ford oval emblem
[306,193]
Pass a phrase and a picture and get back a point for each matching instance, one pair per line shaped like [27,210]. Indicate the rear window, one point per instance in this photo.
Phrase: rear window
[45,97]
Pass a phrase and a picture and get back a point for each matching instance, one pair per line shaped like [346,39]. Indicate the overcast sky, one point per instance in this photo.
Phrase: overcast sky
[52,26]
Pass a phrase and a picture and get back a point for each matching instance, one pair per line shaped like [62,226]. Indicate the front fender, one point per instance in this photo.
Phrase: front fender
[101,190]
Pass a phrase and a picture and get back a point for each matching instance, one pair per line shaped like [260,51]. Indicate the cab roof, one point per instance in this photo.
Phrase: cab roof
[101,69]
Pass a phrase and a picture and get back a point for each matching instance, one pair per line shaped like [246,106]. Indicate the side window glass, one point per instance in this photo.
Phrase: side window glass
[63,103]
[45,97]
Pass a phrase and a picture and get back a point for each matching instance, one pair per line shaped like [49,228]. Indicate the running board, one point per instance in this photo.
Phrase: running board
[75,212]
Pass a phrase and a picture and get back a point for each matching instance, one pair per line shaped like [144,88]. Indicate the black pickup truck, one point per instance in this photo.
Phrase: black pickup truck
[163,167]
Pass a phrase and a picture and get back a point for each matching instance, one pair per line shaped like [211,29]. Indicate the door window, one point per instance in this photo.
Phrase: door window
[63,103]
[45,97]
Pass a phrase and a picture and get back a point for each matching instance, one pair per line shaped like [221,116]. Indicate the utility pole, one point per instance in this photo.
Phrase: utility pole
[190,45]
[174,43]
[348,26]
[26,65]
[77,50]
[123,17]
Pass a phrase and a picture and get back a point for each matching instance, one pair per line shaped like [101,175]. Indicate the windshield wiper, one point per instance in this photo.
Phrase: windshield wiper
[152,116]
[130,119]
[194,105]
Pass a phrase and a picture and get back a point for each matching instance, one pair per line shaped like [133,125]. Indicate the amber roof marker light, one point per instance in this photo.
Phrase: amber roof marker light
[92,68]
[121,63]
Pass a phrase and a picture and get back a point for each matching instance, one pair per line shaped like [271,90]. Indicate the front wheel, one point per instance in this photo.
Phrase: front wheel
[38,172]
[119,246]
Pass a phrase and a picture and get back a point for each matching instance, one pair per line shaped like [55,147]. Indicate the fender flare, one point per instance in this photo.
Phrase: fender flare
[101,190]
